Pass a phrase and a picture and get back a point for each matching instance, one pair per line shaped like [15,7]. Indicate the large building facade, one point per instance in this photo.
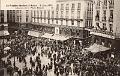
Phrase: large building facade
[3,23]
[106,24]
[67,17]
[18,19]
[72,18]
[3,17]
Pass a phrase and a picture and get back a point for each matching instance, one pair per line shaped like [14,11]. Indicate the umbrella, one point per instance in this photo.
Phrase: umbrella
[7,48]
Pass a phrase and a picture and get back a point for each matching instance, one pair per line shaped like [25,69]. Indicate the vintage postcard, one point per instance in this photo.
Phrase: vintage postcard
[59,38]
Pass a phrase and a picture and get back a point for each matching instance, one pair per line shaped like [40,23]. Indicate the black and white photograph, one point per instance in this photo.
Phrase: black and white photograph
[59,37]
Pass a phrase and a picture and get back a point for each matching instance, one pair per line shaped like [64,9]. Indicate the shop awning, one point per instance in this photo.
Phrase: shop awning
[47,35]
[97,48]
[7,48]
[56,36]
[60,37]
[4,33]
[34,33]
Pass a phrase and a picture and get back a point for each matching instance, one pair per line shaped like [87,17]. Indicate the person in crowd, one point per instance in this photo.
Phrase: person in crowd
[84,64]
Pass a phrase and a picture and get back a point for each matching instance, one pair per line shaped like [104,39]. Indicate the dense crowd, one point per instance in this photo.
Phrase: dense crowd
[65,59]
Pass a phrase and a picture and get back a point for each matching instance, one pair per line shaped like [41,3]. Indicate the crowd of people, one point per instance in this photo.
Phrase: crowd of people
[65,59]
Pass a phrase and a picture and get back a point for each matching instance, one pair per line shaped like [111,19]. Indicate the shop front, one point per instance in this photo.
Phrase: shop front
[79,35]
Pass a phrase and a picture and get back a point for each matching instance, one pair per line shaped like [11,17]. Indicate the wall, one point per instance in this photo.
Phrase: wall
[117,18]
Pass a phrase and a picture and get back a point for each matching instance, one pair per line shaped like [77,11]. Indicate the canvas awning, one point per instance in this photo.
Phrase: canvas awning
[97,48]
[34,33]
[47,35]
[56,36]
[7,48]
[4,33]
[60,37]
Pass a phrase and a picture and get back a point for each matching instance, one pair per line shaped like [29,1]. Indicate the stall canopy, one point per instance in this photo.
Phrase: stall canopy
[56,36]
[7,48]
[4,33]
[34,33]
[60,37]
[97,48]
[47,35]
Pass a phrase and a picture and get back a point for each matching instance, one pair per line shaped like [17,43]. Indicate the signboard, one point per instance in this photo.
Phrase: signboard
[57,30]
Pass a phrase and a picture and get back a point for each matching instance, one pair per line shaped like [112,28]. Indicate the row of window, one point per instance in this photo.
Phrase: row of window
[104,28]
[105,3]
[12,17]
[97,17]
[67,6]
[1,16]
[47,14]
[72,21]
